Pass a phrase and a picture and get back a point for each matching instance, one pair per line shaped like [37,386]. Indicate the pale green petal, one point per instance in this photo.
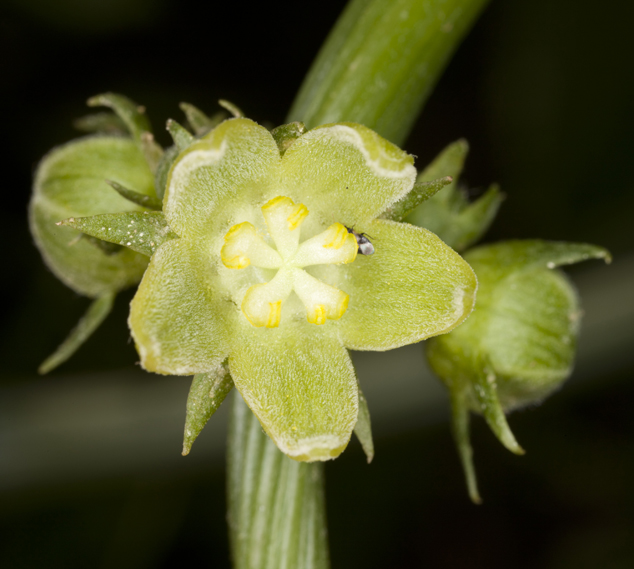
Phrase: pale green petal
[301,386]
[346,172]
[413,287]
[175,320]
[71,181]
[234,165]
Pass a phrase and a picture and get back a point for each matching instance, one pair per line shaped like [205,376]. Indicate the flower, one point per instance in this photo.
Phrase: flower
[265,274]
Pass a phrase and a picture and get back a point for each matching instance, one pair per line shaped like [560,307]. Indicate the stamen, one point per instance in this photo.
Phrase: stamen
[322,301]
[331,247]
[301,211]
[283,219]
[337,235]
[244,246]
[275,314]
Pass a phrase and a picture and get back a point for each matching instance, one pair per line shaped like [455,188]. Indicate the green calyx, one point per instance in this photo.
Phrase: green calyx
[252,212]
[448,212]
[519,345]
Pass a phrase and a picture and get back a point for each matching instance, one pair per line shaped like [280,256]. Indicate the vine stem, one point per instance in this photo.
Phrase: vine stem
[277,515]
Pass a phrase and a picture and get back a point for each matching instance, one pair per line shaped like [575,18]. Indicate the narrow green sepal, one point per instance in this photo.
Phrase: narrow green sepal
[107,123]
[142,232]
[460,429]
[104,246]
[363,428]
[207,392]
[135,120]
[149,202]
[476,218]
[286,134]
[421,192]
[485,390]
[536,254]
[199,122]
[162,170]
[233,109]
[132,115]
[152,151]
[449,214]
[449,162]
[180,135]
[95,315]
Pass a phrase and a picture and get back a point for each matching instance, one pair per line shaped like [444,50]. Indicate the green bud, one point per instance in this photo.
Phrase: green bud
[448,213]
[518,345]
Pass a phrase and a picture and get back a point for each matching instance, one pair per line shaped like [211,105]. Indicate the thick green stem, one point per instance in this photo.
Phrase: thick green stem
[276,505]
[381,62]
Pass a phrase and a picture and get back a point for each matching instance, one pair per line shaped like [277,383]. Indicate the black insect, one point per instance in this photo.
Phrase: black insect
[363,243]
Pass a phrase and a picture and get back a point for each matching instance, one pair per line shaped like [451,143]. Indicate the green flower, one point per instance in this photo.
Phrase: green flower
[264,273]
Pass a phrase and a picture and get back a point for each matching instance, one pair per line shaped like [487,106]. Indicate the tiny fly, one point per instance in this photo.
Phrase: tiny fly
[363,243]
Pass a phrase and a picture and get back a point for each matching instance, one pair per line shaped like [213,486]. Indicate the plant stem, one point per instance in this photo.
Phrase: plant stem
[381,62]
[276,505]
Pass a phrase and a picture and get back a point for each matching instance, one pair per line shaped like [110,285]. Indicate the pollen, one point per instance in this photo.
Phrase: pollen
[318,316]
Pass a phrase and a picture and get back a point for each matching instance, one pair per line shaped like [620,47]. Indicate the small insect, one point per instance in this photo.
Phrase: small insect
[363,243]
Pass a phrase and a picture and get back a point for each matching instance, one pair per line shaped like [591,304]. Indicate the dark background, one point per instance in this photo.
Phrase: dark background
[89,469]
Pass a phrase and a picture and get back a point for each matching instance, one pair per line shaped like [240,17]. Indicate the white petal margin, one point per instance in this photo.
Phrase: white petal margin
[236,163]
[175,322]
[412,287]
[300,385]
[349,172]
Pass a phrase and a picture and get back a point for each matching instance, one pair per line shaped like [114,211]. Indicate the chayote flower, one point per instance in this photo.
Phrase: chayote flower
[259,267]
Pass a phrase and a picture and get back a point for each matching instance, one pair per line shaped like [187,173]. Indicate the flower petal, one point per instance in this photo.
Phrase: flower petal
[413,287]
[236,160]
[348,169]
[175,322]
[302,388]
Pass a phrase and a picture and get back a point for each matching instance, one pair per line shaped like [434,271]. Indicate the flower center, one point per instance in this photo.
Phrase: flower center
[262,304]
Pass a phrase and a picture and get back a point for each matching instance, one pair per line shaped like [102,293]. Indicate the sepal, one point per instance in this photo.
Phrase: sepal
[363,428]
[420,193]
[448,213]
[135,120]
[142,232]
[137,198]
[103,123]
[200,123]
[180,135]
[207,392]
[89,322]
[285,135]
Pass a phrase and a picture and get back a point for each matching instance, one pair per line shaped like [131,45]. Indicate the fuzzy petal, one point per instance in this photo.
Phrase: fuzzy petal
[413,287]
[348,171]
[236,162]
[302,388]
[175,321]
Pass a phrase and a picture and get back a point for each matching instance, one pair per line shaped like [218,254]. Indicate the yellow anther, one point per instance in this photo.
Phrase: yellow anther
[276,202]
[343,306]
[318,316]
[236,262]
[337,235]
[298,215]
[275,314]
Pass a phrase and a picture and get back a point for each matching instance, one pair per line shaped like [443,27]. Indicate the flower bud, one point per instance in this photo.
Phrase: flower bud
[518,345]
